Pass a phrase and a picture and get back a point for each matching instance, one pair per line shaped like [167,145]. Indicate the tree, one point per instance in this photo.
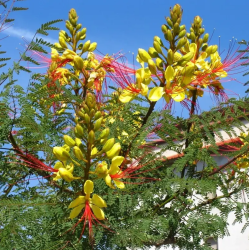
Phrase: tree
[98,156]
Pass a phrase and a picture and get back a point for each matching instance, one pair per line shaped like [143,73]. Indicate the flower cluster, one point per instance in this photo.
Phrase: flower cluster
[184,69]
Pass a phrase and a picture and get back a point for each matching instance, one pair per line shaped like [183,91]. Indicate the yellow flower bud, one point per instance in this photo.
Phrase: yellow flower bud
[143,54]
[86,46]
[83,31]
[157,47]
[170,57]
[152,66]
[79,132]
[114,151]
[169,22]
[159,63]
[104,134]
[158,39]
[164,28]
[69,141]
[98,114]
[98,124]
[152,52]
[181,42]
[78,62]
[61,154]
[182,33]
[78,153]
[67,175]
[108,145]
[92,47]
[78,142]
[63,43]
[168,36]
[91,137]
[87,118]
[205,37]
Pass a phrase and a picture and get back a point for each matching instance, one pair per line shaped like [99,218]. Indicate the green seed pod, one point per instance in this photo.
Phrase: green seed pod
[78,62]
[205,37]
[114,151]
[152,52]
[79,130]
[164,28]
[78,153]
[69,141]
[181,43]
[159,63]
[98,114]
[104,134]
[152,66]
[143,54]
[86,46]
[108,144]
[91,137]
[61,154]
[98,124]
[182,33]
[92,46]
[170,57]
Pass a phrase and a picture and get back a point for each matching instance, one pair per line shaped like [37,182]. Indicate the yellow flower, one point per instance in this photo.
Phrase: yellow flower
[95,203]
[65,173]
[102,171]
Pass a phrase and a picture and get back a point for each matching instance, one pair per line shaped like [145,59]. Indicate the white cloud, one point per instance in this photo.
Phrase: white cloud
[27,34]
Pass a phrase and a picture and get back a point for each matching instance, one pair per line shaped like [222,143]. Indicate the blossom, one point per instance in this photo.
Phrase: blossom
[102,171]
[65,173]
[92,207]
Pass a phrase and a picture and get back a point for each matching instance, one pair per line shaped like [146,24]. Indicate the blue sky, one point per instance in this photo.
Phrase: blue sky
[128,25]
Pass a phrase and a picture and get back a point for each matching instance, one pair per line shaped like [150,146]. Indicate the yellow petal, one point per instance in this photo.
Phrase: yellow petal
[98,201]
[99,214]
[57,177]
[94,151]
[113,170]
[66,175]
[144,89]
[126,96]
[58,165]
[193,47]
[169,73]
[178,94]
[167,98]
[119,184]
[88,187]
[155,94]
[117,161]
[76,211]
[80,200]
[108,181]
